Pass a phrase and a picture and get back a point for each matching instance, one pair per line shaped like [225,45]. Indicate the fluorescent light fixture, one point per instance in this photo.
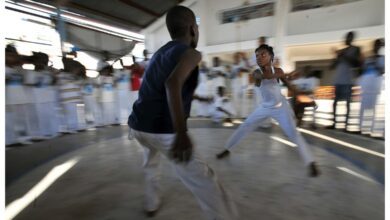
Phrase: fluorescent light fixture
[15,207]
[281,140]
[74,18]
[70,56]
[131,34]
[28,66]
[227,124]
[92,73]
[38,3]
[237,121]
[345,144]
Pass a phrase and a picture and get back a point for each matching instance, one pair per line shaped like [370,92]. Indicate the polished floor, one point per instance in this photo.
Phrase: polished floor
[97,175]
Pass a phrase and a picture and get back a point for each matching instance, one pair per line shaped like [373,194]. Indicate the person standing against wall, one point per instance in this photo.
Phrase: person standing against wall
[348,60]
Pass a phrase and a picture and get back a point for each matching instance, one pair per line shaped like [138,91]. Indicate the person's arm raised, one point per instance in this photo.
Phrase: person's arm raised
[280,74]
[181,150]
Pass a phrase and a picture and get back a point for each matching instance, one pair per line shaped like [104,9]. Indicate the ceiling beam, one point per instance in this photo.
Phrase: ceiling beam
[72,5]
[141,8]
[102,14]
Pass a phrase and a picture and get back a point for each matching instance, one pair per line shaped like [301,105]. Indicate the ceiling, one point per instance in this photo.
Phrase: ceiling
[133,15]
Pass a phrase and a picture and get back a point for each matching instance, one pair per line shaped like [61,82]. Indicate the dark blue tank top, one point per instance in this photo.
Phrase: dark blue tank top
[151,111]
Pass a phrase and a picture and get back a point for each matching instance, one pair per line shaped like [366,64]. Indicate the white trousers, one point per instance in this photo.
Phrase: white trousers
[123,110]
[93,111]
[196,175]
[284,116]
[17,123]
[257,102]
[10,134]
[34,127]
[238,96]
[371,85]
[47,118]
[108,113]
[203,109]
[367,112]
[218,116]
[74,117]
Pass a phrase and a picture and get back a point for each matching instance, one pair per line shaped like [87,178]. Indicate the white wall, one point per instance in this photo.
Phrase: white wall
[358,14]
[218,33]
[156,35]
[315,26]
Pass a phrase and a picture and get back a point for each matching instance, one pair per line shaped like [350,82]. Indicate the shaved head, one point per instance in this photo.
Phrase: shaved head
[179,20]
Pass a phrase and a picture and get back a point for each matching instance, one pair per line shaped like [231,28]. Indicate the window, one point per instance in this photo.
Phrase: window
[300,5]
[247,12]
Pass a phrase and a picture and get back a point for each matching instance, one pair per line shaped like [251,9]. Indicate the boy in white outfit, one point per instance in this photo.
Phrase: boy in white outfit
[274,105]
[222,109]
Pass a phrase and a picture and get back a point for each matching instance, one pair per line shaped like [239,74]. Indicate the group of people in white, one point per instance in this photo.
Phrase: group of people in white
[44,102]
[219,80]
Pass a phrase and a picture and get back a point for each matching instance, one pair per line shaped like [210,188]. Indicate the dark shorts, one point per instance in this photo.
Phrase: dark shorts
[343,92]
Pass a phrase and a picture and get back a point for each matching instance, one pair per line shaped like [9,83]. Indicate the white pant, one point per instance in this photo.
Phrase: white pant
[74,117]
[284,116]
[257,102]
[34,127]
[48,119]
[17,122]
[93,111]
[367,112]
[202,108]
[196,175]
[10,134]
[123,110]
[218,116]
[238,96]
[371,85]
[108,113]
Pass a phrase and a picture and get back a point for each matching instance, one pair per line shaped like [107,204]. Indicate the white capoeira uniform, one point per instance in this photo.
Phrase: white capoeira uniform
[240,86]
[218,81]
[71,98]
[122,95]
[16,111]
[196,175]
[274,105]
[203,90]
[237,89]
[224,103]
[32,83]
[92,109]
[46,105]
[371,85]
[107,100]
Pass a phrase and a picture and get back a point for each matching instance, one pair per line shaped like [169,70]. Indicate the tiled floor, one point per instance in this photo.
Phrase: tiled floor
[266,177]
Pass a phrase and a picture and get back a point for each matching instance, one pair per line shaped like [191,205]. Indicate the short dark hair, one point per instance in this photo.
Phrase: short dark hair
[179,19]
[11,49]
[349,37]
[267,48]
[378,43]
